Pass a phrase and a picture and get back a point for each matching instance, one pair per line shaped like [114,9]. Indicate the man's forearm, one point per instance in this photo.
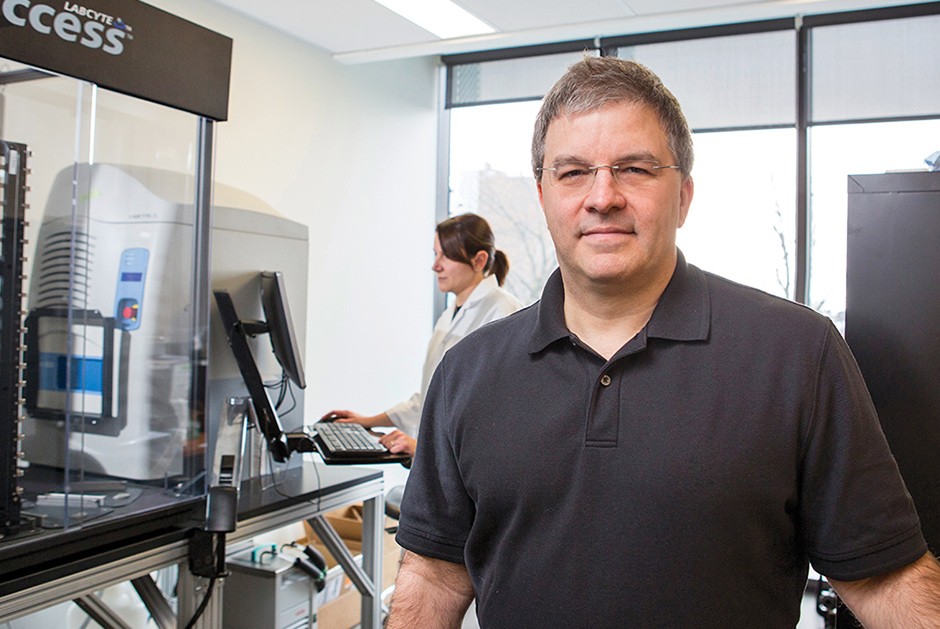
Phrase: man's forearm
[909,597]
[429,593]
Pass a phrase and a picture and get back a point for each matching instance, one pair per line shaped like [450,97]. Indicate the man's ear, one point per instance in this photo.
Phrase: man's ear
[686,192]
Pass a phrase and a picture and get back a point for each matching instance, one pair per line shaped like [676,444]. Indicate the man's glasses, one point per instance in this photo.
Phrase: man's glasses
[576,176]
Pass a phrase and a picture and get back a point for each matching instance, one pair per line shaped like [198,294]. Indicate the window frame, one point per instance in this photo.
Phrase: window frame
[802,25]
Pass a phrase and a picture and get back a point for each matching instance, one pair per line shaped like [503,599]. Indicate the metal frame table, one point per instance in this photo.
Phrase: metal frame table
[305,492]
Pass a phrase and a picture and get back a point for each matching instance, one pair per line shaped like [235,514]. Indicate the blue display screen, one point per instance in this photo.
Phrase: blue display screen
[86,374]
[131,277]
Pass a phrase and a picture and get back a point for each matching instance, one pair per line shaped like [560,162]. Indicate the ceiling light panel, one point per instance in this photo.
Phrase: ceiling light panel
[522,15]
[443,18]
[357,25]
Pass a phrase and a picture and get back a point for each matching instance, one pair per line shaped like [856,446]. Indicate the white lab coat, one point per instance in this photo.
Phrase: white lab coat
[486,303]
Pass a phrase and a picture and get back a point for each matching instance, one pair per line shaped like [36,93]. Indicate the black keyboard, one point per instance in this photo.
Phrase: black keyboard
[347,440]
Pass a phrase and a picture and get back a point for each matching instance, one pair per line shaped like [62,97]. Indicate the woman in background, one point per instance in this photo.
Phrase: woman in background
[468,265]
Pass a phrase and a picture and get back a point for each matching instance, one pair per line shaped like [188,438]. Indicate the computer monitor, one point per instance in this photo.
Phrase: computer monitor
[280,326]
[237,333]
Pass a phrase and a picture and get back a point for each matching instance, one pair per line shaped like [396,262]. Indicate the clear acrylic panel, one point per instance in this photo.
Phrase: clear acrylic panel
[107,399]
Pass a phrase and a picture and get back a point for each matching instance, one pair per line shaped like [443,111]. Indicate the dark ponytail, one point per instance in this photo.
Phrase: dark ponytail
[500,266]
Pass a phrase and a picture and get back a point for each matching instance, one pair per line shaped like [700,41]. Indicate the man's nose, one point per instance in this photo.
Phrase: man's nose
[605,194]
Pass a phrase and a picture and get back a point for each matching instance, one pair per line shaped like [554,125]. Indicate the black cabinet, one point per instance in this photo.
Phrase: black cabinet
[893,321]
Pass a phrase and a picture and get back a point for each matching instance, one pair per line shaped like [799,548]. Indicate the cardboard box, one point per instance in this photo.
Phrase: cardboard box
[347,522]
[342,611]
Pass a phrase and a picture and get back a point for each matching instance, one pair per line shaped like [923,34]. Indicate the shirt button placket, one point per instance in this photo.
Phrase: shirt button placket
[604,419]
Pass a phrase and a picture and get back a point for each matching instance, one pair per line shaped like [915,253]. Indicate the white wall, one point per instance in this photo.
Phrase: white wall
[349,151]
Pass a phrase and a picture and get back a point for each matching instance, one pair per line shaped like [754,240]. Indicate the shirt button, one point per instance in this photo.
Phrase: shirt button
[605,380]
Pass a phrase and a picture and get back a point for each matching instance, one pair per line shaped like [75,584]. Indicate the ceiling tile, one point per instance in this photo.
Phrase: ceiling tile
[652,7]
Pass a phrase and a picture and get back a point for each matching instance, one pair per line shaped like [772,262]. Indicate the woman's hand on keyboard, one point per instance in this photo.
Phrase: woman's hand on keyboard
[351,417]
[397,441]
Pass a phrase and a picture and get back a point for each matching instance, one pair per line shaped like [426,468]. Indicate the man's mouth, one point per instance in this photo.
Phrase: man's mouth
[605,230]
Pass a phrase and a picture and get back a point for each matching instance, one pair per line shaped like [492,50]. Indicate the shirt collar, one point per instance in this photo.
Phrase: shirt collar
[682,314]
[480,291]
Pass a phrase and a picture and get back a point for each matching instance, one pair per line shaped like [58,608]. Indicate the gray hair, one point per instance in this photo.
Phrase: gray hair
[594,82]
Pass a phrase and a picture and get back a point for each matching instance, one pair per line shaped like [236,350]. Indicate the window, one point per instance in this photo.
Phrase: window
[739,86]
[506,80]
[857,72]
[727,82]
[491,175]
[839,151]
[742,221]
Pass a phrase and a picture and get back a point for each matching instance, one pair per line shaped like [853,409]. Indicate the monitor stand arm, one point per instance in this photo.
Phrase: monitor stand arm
[300,442]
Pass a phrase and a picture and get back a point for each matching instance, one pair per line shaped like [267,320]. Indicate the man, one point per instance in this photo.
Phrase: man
[649,445]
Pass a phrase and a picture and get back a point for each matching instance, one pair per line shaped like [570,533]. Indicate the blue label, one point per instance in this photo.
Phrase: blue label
[86,374]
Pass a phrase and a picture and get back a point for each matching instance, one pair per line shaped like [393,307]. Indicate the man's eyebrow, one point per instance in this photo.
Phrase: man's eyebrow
[637,156]
[569,159]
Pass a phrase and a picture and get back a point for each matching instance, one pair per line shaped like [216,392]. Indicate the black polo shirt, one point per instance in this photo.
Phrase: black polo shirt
[686,482]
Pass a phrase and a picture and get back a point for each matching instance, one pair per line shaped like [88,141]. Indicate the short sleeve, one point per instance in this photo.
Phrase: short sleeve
[858,519]
[406,415]
[436,511]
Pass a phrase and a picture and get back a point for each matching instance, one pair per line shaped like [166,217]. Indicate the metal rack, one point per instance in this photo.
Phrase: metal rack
[13,188]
